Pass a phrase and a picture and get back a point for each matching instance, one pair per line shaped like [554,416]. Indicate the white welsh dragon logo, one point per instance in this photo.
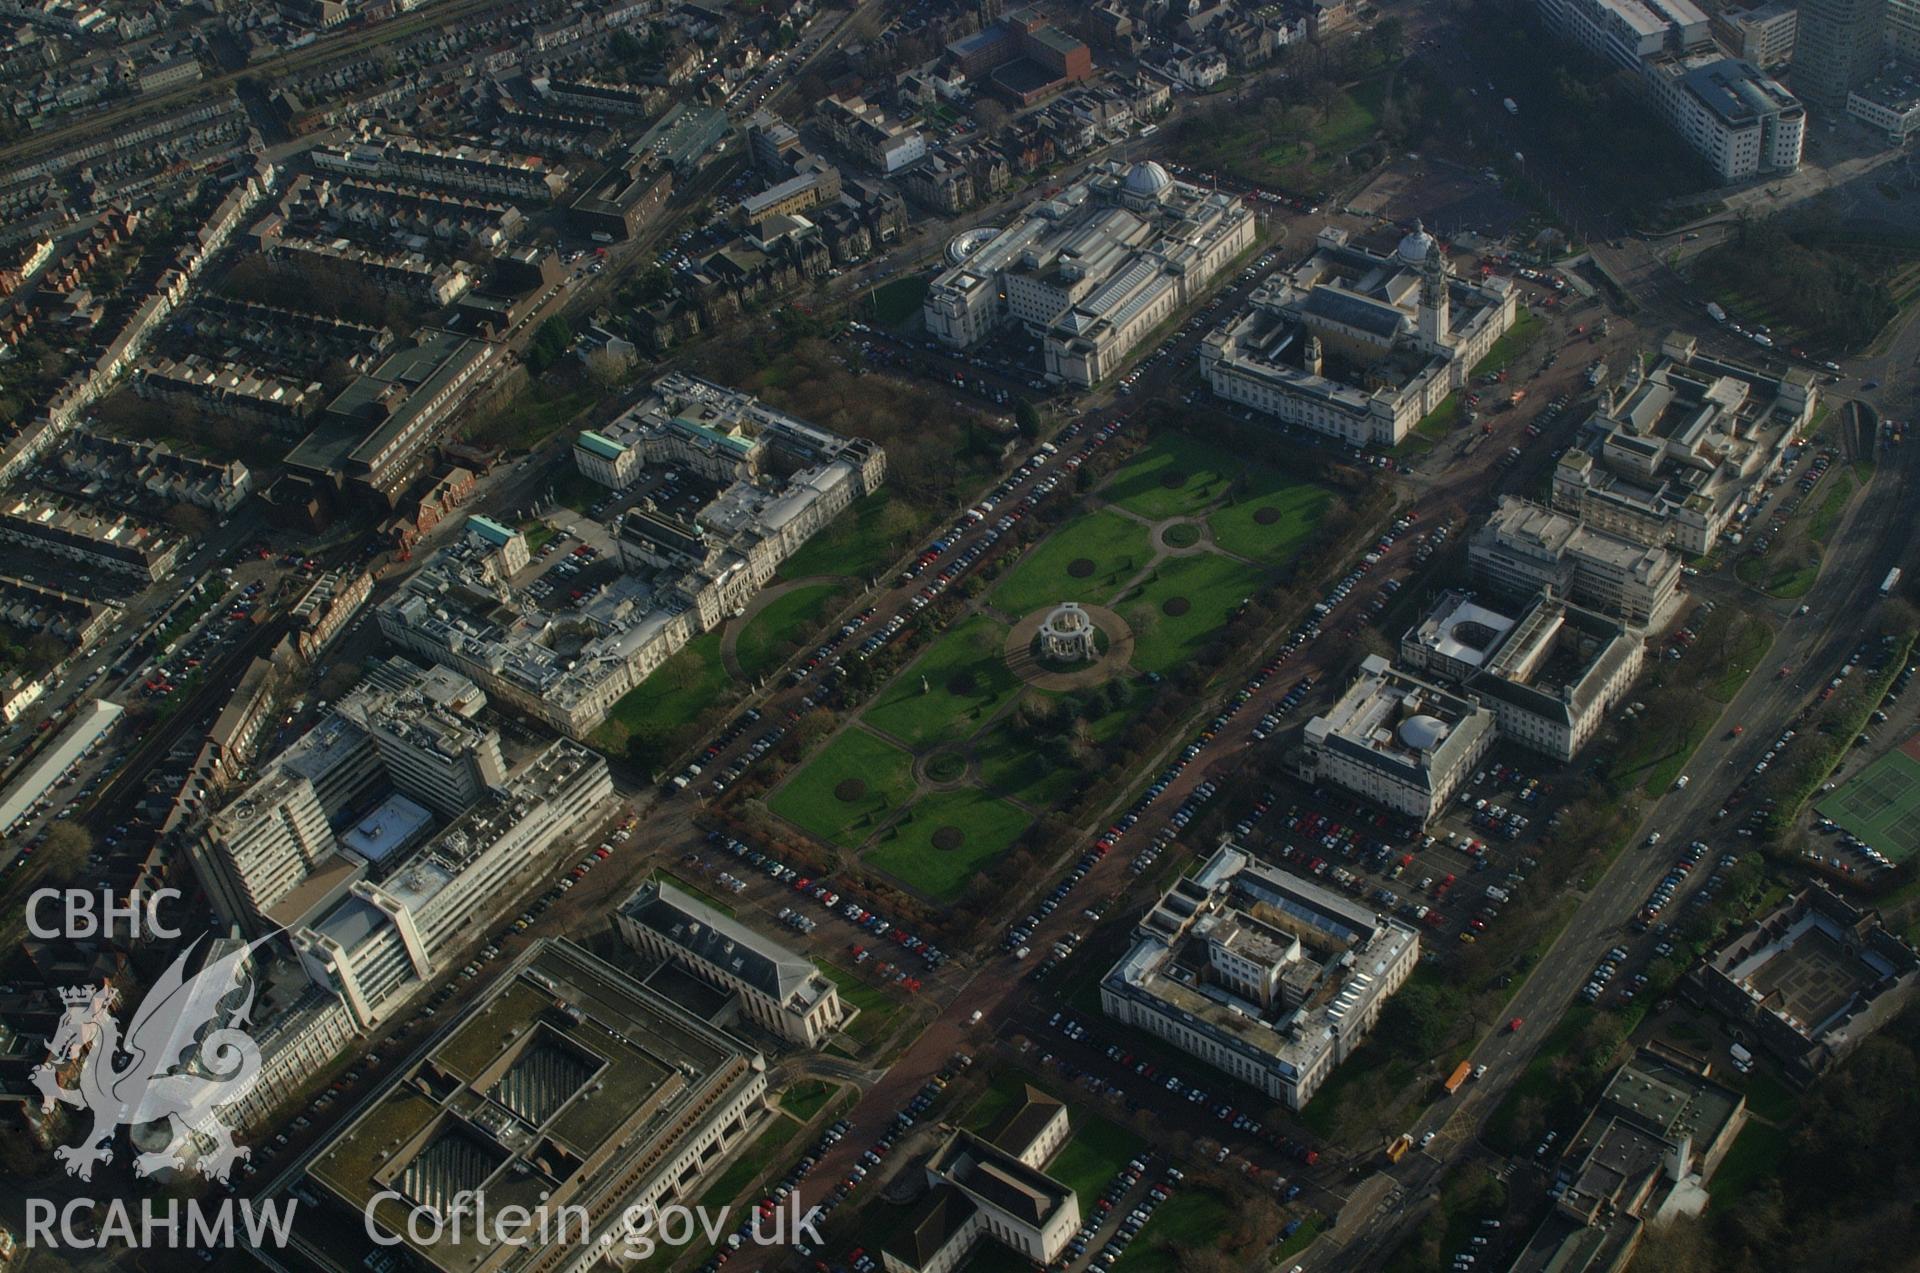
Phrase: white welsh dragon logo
[165,1068]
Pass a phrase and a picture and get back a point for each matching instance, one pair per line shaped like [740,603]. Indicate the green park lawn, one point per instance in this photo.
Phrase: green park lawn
[1191,1220]
[1528,327]
[1089,1161]
[1246,529]
[806,1098]
[782,626]
[877,1008]
[665,712]
[966,680]
[1009,767]
[1173,476]
[1117,546]
[1213,588]
[810,801]
[893,303]
[1015,768]
[908,852]
[860,542]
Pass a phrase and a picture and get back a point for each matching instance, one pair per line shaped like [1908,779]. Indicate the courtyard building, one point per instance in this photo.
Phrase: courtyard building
[1356,345]
[1265,976]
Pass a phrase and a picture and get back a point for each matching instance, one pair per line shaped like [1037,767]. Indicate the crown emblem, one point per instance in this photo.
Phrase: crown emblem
[78,996]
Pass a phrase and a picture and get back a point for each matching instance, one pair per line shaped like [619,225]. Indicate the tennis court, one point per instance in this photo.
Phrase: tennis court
[1882,805]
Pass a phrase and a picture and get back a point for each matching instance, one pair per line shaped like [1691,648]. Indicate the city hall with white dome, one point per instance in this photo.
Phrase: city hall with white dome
[1356,344]
[1093,269]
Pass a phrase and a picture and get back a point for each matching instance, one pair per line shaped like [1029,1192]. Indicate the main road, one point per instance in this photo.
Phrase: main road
[1873,537]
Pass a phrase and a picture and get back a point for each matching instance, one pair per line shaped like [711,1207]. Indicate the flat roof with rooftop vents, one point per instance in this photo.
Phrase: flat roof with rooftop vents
[566,1083]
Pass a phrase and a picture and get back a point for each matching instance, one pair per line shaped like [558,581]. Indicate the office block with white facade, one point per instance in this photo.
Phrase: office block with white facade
[1550,672]
[395,928]
[991,1186]
[1763,35]
[1675,454]
[1525,547]
[1265,976]
[1399,741]
[1740,120]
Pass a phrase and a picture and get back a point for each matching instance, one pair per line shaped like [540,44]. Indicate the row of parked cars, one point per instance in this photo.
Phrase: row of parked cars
[1294,697]
[846,908]
[1131,1222]
[1077,1031]
[901,1123]
[782,1189]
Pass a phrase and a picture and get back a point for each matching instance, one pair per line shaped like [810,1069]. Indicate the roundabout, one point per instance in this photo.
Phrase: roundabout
[1177,535]
[944,767]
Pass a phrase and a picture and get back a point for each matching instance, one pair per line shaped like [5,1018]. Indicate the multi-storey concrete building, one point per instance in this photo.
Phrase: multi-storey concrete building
[1265,976]
[1890,102]
[1629,33]
[1525,548]
[293,842]
[779,991]
[1093,269]
[1652,1141]
[1903,28]
[439,757]
[1357,345]
[1811,981]
[377,434]
[1838,46]
[1401,742]
[392,934]
[261,848]
[1677,452]
[1741,121]
[992,1185]
[1763,35]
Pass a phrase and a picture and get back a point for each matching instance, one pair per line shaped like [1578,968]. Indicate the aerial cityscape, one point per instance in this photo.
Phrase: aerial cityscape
[957,636]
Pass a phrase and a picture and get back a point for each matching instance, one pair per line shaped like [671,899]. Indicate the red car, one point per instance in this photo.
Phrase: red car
[1513,1026]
